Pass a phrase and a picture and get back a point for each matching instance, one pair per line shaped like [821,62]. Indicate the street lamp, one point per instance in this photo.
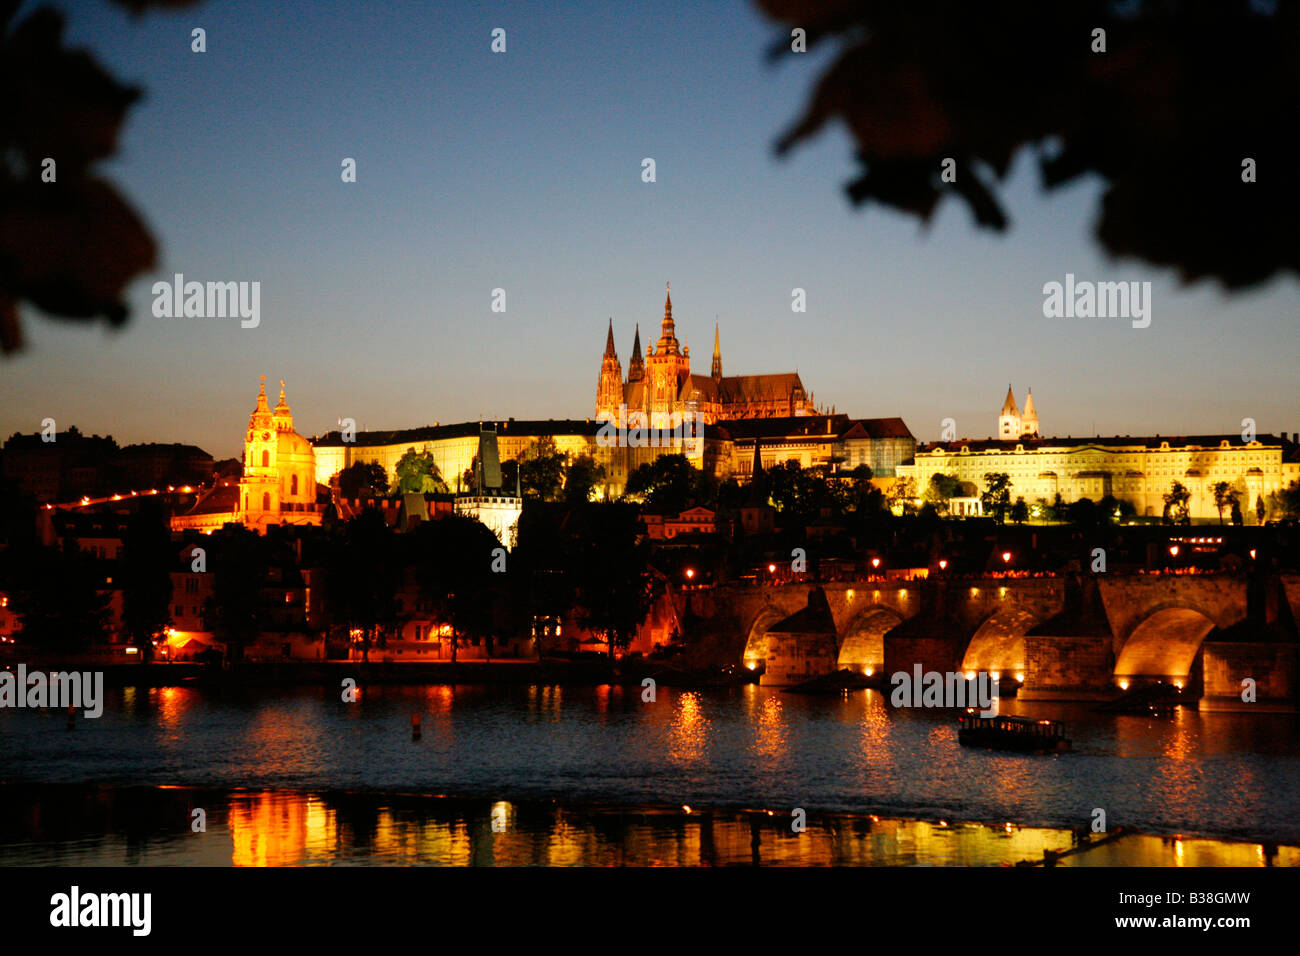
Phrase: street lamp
[1173,550]
[943,563]
[690,573]
[1006,557]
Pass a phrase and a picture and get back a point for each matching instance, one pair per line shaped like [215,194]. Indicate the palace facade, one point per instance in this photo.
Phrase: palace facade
[660,388]
[1139,470]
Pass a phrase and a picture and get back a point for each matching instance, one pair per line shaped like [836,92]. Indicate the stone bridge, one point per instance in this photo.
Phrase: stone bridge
[1066,637]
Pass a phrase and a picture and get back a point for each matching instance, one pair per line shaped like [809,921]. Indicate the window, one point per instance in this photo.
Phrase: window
[266,501]
[293,485]
[266,459]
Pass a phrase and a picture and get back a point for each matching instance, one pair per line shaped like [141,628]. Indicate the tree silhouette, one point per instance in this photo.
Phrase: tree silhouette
[69,244]
[1167,114]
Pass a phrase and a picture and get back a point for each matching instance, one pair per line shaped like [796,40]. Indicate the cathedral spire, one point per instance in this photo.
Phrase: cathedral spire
[668,334]
[636,365]
[609,340]
[261,398]
[717,354]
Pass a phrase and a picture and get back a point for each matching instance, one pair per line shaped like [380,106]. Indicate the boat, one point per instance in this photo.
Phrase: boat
[1012,733]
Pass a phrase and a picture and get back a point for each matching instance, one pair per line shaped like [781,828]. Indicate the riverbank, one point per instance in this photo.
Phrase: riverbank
[580,672]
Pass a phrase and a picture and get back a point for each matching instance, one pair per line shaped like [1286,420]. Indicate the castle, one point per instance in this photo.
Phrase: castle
[660,390]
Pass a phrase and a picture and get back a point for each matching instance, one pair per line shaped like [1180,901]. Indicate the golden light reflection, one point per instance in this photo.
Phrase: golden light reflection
[268,829]
[689,735]
[771,729]
[171,704]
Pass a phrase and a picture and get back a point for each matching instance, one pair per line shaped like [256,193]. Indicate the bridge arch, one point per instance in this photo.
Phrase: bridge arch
[998,646]
[1164,643]
[862,647]
[756,648]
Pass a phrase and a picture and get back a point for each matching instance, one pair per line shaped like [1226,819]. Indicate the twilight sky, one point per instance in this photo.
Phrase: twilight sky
[523,171]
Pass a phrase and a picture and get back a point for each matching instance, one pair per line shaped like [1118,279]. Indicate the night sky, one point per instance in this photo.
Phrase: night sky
[523,171]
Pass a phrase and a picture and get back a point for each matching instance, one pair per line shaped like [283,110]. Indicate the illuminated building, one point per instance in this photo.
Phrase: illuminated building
[661,385]
[278,485]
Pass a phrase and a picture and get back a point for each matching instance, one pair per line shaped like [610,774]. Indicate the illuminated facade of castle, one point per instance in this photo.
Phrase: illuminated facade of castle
[279,481]
[661,390]
[1136,469]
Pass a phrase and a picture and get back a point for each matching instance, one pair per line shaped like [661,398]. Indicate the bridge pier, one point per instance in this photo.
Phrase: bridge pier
[1271,665]
[1068,668]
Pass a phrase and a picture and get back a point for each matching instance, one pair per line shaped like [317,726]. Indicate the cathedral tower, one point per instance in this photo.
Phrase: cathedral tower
[666,369]
[609,388]
[636,364]
[717,355]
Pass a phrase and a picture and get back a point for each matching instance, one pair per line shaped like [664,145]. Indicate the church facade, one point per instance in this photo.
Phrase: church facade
[660,390]
[278,485]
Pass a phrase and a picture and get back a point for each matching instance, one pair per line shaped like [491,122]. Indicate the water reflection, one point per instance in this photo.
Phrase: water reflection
[114,826]
[1212,775]
[690,730]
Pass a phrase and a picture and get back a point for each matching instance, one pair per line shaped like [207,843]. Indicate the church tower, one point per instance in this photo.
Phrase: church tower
[258,490]
[609,388]
[665,371]
[1009,420]
[717,355]
[636,364]
[1029,420]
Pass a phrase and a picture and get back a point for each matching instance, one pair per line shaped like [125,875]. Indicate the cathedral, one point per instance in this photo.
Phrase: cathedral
[661,390]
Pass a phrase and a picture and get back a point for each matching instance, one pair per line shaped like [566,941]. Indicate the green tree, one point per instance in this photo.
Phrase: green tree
[147,559]
[238,561]
[1086,513]
[902,495]
[915,86]
[453,569]
[59,599]
[613,587]
[1176,500]
[362,572]
[71,246]
[1020,511]
[362,479]
[1116,510]
[940,490]
[416,473]
[1260,509]
[996,498]
[1224,497]
[581,479]
[664,484]
[541,471]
